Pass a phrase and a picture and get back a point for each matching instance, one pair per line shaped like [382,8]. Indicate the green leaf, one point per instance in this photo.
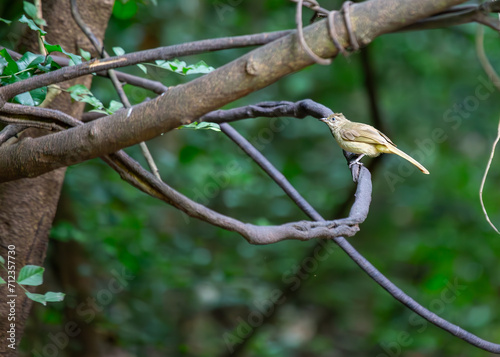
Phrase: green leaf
[29,60]
[9,66]
[80,93]
[182,68]
[125,10]
[24,99]
[47,297]
[118,51]
[78,90]
[2,281]
[2,260]
[114,106]
[8,22]
[32,98]
[37,297]
[30,275]
[75,59]
[32,25]
[50,65]
[143,68]
[85,54]
[38,95]
[203,125]
[31,11]
[54,297]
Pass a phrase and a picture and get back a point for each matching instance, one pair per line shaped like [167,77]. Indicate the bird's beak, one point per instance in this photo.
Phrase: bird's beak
[323,120]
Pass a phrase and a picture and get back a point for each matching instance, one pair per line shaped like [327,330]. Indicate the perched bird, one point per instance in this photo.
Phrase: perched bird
[364,139]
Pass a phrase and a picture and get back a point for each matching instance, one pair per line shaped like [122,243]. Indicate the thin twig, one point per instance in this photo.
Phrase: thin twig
[116,83]
[41,38]
[490,71]
[484,179]
[302,41]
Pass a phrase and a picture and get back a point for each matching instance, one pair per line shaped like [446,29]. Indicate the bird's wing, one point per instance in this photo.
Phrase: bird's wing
[364,133]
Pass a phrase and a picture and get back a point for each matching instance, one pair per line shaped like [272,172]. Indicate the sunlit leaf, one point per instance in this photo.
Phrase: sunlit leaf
[118,51]
[181,67]
[114,106]
[143,68]
[203,125]
[45,298]
[85,54]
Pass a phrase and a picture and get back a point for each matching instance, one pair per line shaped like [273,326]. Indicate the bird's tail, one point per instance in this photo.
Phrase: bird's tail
[394,150]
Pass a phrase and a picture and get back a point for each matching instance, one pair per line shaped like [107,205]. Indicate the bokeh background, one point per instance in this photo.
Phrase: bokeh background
[192,289]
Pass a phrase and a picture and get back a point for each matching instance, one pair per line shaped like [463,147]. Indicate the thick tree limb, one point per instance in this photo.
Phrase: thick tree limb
[185,103]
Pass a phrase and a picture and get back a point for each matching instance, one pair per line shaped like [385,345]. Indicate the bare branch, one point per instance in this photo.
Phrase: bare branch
[459,15]
[129,59]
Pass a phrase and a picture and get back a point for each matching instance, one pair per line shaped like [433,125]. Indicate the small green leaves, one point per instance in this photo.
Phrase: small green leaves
[31,11]
[75,59]
[30,275]
[8,22]
[203,126]
[47,297]
[14,71]
[31,24]
[80,93]
[29,60]
[179,67]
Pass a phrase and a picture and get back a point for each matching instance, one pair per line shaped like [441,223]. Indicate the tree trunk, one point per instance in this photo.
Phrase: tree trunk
[27,206]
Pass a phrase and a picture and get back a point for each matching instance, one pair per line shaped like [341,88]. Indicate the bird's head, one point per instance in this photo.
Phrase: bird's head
[334,119]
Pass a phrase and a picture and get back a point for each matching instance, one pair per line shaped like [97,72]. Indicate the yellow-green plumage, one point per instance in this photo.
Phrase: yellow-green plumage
[360,138]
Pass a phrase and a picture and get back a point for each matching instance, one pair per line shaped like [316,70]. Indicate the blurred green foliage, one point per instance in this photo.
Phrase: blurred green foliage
[193,282]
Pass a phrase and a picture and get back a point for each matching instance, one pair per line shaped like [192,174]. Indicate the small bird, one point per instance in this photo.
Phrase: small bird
[364,139]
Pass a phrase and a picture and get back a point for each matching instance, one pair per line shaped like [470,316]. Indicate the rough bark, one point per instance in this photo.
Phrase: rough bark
[27,206]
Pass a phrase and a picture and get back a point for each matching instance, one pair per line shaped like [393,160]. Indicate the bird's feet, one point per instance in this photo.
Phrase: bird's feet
[357,161]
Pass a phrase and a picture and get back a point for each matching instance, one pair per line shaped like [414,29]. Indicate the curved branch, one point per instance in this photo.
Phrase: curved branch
[300,110]
[359,210]
[132,172]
